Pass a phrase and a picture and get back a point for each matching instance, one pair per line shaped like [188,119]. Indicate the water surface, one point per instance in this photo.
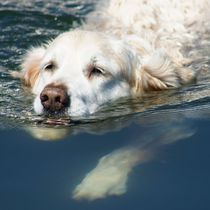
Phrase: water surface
[149,154]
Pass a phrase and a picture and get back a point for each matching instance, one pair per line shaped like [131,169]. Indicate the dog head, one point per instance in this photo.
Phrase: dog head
[80,71]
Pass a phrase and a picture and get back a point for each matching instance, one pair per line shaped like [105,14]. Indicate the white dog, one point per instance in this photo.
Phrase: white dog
[125,49]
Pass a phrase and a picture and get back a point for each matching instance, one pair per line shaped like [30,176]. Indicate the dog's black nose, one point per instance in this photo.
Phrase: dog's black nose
[54,98]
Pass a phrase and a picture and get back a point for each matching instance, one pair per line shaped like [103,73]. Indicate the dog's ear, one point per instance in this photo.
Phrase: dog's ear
[161,73]
[31,66]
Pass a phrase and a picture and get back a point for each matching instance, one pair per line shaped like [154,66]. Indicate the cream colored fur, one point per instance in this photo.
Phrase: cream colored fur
[137,43]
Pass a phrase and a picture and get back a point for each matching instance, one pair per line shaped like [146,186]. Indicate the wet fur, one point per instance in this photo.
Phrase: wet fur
[151,34]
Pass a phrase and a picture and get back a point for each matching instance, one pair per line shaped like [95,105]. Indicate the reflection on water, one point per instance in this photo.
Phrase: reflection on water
[110,176]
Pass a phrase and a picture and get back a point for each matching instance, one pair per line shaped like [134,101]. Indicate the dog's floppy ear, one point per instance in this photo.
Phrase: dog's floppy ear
[31,66]
[161,73]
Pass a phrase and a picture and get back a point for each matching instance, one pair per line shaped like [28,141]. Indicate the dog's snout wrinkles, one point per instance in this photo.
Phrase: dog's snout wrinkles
[54,98]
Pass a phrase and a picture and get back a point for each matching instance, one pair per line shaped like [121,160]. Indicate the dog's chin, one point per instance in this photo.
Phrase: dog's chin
[55,114]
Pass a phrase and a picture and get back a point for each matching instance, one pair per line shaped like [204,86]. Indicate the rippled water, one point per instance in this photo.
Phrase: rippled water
[125,137]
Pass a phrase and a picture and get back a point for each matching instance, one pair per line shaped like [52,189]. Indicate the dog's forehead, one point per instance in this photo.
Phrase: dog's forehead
[78,49]
[79,42]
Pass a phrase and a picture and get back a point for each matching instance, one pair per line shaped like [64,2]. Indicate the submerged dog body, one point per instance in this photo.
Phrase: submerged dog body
[134,46]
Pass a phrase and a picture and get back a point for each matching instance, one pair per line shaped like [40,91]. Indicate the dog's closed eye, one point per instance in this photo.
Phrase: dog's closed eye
[95,71]
[50,66]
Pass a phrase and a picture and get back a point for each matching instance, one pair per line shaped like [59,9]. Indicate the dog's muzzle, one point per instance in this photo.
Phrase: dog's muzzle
[54,99]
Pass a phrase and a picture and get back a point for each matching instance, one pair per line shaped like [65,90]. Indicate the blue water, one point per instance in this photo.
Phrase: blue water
[151,154]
